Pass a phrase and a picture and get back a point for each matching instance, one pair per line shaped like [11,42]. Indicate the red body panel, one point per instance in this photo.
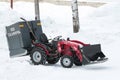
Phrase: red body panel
[79,42]
[64,47]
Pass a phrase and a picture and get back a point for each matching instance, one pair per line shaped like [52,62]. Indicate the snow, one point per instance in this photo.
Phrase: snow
[97,25]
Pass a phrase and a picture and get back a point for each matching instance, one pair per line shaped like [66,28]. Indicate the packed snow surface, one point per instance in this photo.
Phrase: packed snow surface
[97,25]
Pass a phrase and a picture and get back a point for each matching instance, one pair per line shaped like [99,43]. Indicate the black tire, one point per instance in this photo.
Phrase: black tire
[38,56]
[53,61]
[77,61]
[67,61]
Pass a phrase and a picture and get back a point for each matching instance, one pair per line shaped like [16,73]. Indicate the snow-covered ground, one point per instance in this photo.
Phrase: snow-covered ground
[97,25]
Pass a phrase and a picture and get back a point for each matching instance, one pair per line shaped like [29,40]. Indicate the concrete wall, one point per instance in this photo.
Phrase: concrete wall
[64,2]
[4,0]
[31,0]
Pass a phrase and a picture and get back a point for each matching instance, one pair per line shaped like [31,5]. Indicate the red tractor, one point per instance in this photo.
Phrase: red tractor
[27,38]
[70,51]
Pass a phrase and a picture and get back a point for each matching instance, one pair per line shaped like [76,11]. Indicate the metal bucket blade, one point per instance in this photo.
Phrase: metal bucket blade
[91,53]
[91,50]
[17,52]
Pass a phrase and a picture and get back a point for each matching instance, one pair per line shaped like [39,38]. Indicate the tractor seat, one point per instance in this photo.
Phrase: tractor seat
[49,46]
[43,38]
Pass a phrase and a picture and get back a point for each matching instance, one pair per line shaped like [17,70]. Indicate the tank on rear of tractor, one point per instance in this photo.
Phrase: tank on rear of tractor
[27,38]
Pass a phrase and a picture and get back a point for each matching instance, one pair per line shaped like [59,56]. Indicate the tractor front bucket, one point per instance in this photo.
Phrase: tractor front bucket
[92,54]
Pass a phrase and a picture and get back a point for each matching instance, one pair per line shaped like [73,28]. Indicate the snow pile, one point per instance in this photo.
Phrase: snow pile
[97,25]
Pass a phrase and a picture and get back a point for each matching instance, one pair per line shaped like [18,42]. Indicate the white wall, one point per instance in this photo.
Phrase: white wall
[70,0]
[32,0]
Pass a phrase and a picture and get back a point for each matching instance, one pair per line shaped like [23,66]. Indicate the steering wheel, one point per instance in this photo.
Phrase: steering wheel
[57,38]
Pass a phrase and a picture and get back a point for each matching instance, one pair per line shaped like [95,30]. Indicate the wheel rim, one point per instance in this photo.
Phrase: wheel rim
[37,56]
[66,61]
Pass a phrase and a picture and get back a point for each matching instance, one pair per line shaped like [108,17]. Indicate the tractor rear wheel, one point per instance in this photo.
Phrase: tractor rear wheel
[38,56]
[67,61]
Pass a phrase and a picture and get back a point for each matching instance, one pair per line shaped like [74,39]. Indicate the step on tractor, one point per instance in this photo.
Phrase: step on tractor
[27,38]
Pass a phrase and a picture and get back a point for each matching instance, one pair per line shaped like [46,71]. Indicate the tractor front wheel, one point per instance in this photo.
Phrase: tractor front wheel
[67,61]
[38,56]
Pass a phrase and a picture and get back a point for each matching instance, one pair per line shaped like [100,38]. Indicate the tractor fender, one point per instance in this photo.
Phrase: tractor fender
[42,46]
